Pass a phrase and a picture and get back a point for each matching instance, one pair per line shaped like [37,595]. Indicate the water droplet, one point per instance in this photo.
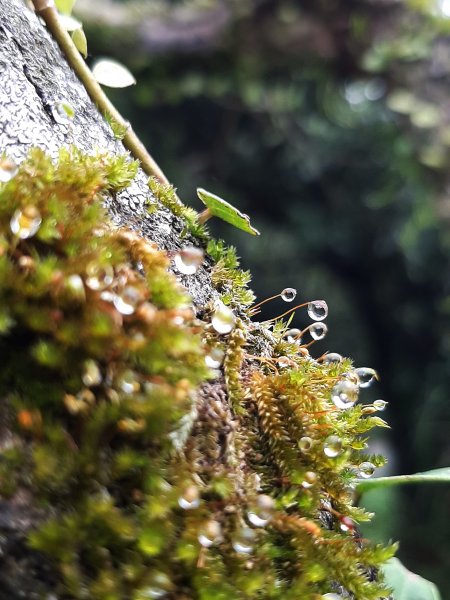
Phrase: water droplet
[128,382]
[332,357]
[91,373]
[283,362]
[288,294]
[332,446]
[346,524]
[293,336]
[63,112]
[190,498]
[188,260]
[159,586]
[366,376]
[75,287]
[214,358]
[210,534]
[305,444]
[25,222]
[99,276]
[261,513]
[127,300]
[243,540]
[318,331]
[223,319]
[8,170]
[309,479]
[332,597]
[344,394]
[380,404]
[366,470]
[318,310]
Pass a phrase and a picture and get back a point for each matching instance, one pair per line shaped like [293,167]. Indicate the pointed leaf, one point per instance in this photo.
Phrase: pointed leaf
[112,74]
[226,211]
[407,585]
[434,476]
[80,41]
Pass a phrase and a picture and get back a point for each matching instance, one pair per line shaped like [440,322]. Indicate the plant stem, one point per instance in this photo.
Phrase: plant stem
[46,9]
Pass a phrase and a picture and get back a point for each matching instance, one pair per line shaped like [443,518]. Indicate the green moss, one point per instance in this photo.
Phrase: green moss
[161,484]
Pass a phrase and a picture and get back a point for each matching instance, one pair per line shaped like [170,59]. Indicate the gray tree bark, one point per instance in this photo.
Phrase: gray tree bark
[34,78]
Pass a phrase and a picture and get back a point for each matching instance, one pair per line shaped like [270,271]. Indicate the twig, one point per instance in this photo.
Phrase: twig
[46,9]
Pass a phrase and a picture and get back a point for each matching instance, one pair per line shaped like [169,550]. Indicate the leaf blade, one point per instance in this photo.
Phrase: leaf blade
[227,212]
[408,585]
[434,476]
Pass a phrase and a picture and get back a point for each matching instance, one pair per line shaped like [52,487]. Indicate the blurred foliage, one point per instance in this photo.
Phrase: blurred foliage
[328,121]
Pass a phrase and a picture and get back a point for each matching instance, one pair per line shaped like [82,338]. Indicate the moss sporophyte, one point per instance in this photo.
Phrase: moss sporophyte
[171,456]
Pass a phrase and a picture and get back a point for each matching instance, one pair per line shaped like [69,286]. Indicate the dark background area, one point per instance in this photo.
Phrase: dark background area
[329,124]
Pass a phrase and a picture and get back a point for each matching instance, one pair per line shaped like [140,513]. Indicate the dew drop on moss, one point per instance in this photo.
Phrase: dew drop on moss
[305,444]
[318,331]
[8,170]
[380,404]
[332,446]
[91,373]
[126,300]
[188,260]
[223,319]
[99,276]
[332,597]
[283,362]
[128,382]
[344,394]
[262,511]
[210,533]
[332,357]
[346,524]
[190,498]
[214,358]
[243,540]
[309,479]
[63,112]
[288,294]
[74,286]
[293,336]
[366,376]
[159,586]
[366,470]
[318,310]
[25,222]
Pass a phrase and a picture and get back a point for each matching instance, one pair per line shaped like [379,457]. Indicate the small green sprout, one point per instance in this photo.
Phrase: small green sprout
[217,207]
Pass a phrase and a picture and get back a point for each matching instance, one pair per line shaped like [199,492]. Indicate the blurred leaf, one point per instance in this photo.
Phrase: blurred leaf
[112,74]
[407,585]
[225,211]
[65,6]
[80,41]
[434,476]
[70,23]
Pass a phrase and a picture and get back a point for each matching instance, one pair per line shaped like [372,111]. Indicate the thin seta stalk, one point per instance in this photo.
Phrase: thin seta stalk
[47,10]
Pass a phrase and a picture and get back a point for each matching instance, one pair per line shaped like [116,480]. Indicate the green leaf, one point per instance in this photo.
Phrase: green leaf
[112,73]
[407,585]
[65,6]
[434,476]
[225,211]
[80,41]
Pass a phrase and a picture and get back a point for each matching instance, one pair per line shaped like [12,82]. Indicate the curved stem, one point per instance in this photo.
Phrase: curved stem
[46,9]
[287,312]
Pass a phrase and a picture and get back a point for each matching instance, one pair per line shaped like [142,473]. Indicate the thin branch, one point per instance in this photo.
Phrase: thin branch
[46,9]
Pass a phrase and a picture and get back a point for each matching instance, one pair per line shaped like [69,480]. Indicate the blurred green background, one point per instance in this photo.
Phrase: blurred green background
[328,122]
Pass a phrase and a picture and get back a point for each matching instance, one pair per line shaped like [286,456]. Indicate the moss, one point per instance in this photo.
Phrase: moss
[155,481]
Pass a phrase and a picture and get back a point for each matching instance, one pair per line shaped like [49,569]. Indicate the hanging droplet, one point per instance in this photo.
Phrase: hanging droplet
[332,446]
[74,287]
[366,376]
[332,357]
[380,404]
[210,533]
[318,331]
[99,276]
[8,170]
[91,373]
[318,310]
[159,586]
[190,498]
[223,319]
[309,479]
[243,540]
[128,382]
[127,300]
[305,444]
[214,358]
[25,222]
[332,597]
[346,524]
[293,336]
[366,470]
[344,394]
[188,260]
[262,512]
[283,362]
[288,294]
[63,112]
